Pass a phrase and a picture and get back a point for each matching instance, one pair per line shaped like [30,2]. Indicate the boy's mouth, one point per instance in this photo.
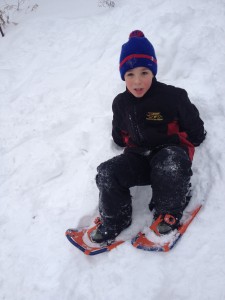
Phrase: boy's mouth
[139,90]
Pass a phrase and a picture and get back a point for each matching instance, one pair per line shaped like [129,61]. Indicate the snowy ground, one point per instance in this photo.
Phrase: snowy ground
[58,77]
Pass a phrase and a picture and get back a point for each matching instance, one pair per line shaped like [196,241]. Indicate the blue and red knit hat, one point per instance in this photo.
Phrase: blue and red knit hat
[137,52]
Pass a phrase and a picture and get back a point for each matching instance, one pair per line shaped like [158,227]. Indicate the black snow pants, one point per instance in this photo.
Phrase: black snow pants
[167,170]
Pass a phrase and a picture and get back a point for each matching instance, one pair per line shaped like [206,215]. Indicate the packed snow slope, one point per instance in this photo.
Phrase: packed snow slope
[58,78]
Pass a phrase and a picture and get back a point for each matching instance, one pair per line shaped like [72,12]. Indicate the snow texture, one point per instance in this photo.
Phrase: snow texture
[59,76]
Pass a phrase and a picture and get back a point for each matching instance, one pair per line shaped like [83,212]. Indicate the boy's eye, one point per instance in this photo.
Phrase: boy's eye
[129,74]
[145,73]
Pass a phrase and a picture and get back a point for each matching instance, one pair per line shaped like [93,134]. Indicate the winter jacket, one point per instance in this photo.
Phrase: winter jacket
[163,116]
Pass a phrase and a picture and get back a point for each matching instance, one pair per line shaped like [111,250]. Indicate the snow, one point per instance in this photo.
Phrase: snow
[59,75]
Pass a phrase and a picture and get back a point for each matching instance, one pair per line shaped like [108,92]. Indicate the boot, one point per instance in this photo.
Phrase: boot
[165,223]
[103,234]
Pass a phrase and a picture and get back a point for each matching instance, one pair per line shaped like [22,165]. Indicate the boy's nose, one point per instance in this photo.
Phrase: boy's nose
[137,79]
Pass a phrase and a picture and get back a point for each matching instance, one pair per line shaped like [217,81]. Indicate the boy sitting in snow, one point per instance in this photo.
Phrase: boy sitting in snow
[159,128]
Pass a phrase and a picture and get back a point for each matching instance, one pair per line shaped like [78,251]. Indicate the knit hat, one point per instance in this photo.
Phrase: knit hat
[137,52]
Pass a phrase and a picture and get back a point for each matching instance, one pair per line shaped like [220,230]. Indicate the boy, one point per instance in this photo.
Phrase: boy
[159,128]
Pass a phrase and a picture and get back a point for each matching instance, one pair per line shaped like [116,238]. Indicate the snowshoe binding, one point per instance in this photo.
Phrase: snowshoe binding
[165,223]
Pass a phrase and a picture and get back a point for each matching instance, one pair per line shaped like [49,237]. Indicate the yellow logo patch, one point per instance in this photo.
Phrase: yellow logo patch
[154,116]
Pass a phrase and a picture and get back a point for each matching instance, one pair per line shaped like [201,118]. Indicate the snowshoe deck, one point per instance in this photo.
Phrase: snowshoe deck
[149,241]
[80,238]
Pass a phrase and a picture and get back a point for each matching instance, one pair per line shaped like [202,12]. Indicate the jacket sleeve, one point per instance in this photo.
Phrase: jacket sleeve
[117,132]
[190,121]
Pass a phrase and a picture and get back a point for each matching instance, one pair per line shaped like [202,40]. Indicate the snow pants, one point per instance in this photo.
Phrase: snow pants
[167,170]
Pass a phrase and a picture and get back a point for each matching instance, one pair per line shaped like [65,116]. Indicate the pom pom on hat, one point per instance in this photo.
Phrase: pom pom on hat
[137,52]
[136,33]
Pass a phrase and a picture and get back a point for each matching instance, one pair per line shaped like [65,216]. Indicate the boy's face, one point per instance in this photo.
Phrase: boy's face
[138,81]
